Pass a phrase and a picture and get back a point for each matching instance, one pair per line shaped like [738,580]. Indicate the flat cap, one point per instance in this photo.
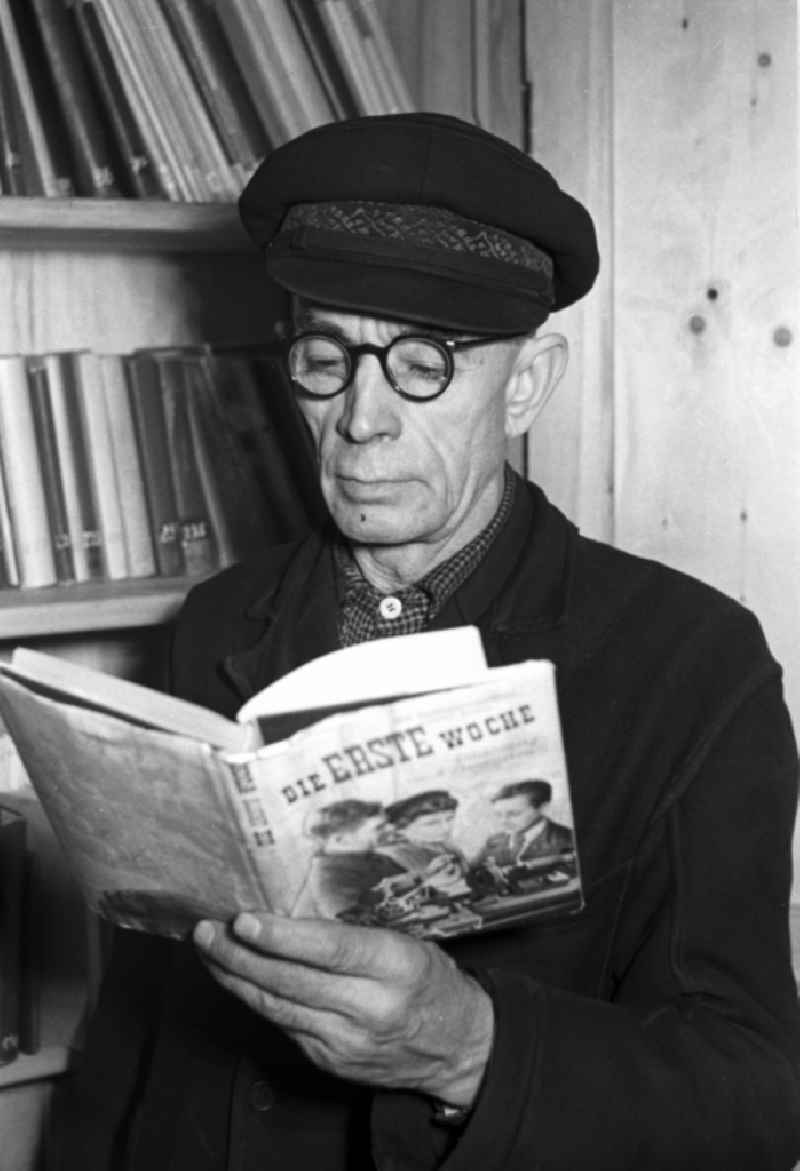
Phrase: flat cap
[420,217]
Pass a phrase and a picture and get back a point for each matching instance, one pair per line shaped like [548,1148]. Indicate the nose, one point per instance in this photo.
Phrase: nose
[370,408]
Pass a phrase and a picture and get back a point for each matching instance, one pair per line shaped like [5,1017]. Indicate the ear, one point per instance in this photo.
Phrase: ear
[537,371]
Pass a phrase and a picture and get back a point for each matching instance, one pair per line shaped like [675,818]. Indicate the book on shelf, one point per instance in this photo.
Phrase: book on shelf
[9,567]
[342,30]
[49,467]
[93,165]
[97,428]
[12,897]
[23,480]
[198,31]
[13,179]
[120,35]
[72,444]
[169,813]
[142,179]
[321,52]
[395,94]
[196,535]
[266,76]
[136,532]
[42,178]
[194,134]
[147,408]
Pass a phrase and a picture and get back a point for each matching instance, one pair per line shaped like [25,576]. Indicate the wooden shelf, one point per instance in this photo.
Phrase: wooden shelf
[90,606]
[46,1063]
[120,225]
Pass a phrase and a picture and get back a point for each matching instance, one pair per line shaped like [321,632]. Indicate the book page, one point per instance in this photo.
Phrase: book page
[407,664]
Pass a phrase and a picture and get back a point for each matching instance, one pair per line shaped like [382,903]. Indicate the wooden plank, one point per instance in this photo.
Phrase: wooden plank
[570,448]
[707,261]
[91,606]
[120,223]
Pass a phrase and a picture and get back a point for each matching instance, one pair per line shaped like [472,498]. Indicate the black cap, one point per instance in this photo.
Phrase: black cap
[420,217]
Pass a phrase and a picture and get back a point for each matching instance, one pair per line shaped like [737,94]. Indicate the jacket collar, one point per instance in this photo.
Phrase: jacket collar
[519,595]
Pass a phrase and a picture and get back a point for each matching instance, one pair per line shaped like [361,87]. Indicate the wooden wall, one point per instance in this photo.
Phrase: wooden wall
[677,432]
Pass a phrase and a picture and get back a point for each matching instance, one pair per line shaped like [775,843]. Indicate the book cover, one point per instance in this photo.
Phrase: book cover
[74,461]
[140,173]
[12,891]
[23,477]
[94,168]
[136,530]
[96,426]
[147,408]
[50,468]
[198,32]
[196,534]
[222,830]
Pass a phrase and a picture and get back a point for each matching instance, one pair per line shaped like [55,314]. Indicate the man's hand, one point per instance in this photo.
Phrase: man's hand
[365,1004]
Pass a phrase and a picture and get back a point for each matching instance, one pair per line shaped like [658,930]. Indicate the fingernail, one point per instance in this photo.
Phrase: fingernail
[247,926]
[204,934]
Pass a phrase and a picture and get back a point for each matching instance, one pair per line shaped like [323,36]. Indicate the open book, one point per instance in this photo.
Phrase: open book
[423,790]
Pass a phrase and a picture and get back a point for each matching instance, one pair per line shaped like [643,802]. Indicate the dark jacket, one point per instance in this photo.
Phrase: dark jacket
[656,1029]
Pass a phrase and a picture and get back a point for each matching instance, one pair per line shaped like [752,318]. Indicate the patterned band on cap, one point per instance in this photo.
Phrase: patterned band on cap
[421,226]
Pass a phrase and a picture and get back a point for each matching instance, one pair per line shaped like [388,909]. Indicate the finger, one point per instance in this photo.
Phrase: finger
[334,947]
[352,996]
[286,1014]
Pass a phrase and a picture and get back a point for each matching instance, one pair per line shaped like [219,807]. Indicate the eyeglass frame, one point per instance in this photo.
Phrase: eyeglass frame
[447,346]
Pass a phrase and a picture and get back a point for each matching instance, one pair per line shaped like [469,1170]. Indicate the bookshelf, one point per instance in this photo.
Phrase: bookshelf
[116,274]
[30,222]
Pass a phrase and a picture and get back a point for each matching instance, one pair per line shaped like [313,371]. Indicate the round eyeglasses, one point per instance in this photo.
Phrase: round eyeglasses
[417,367]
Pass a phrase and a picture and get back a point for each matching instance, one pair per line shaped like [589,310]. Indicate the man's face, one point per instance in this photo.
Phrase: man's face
[516,814]
[430,827]
[362,837]
[401,473]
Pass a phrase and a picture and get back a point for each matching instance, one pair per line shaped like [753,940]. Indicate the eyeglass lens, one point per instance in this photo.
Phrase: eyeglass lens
[321,365]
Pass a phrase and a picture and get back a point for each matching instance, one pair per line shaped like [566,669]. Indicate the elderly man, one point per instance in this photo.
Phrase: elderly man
[658,1027]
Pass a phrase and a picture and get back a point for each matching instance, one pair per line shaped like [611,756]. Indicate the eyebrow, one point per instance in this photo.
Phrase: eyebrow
[306,319]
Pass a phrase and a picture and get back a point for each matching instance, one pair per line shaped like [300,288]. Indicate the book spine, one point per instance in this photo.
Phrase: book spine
[116,30]
[203,444]
[94,168]
[12,175]
[94,415]
[45,179]
[140,171]
[130,482]
[73,458]
[201,38]
[343,36]
[301,75]
[242,523]
[12,893]
[9,565]
[201,146]
[320,51]
[52,483]
[23,479]
[151,436]
[45,97]
[196,536]
[245,35]
[396,94]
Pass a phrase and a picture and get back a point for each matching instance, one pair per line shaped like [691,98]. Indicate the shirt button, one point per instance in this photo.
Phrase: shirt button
[260,1096]
[390,608]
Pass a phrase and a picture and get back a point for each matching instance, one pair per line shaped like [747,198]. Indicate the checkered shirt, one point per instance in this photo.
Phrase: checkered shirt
[363,608]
